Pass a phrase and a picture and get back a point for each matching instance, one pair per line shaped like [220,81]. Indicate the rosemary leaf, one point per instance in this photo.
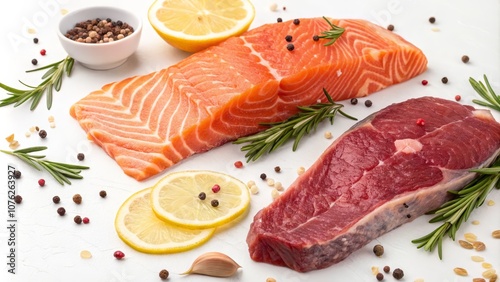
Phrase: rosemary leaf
[491,100]
[333,34]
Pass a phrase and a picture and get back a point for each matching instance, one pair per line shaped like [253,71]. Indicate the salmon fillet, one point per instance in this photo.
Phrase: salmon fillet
[150,122]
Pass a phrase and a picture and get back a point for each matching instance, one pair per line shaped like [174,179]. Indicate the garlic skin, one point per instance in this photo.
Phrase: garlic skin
[214,264]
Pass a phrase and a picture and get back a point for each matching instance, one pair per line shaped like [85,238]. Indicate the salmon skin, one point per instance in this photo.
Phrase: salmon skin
[384,172]
[150,122]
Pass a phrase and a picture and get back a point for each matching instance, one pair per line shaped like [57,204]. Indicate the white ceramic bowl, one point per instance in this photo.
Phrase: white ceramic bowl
[100,56]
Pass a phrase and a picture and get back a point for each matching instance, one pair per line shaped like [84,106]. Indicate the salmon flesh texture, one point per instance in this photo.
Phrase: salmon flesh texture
[384,172]
[148,123]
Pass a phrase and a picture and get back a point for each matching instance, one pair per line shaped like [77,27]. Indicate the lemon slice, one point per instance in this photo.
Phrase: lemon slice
[138,226]
[193,25]
[175,198]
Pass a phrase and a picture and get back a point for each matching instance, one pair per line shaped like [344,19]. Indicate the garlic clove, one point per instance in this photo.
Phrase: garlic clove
[214,264]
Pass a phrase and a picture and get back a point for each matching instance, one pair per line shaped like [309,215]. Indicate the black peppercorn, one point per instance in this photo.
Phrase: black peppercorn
[296,22]
[109,20]
[56,199]
[368,103]
[432,19]
[315,37]
[42,133]
[387,269]
[80,156]
[398,273]
[354,101]
[288,38]
[465,59]
[35,40]
[214,203]
[164,274]
[390,27]
[378,250]
[202,196]
[290,47]
[277,169]
[77,219]
[77,198]
[17,174]
[263,176]
[380,276]
[279,20]
[444,80]
[103,194]
[34,62]
[18,199]
[61,211]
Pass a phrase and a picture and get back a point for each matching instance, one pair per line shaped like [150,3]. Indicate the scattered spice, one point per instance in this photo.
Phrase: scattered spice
[420,121]
[86,220]
[471,237]
[277,169]
[465,59]
[408,215]
[273,7]
[279,20]
[41,182]
[328,135]
[354,101]
[163,274]
[77,198]
[477,258]
[17,174]
[316,37]
[43,52]
[35,40]
[263,176]
[275,193]
[290,47]
[460,271]
[118,255]
[77,219]
[490,274]
[61,211]
[390,27]
[103,194]
[432,20]
[368,103]
[254,189]
[42,133]
[478,280]
[85,254]
[424,82]
[387,269]
[479,246]
[80,156]
[238,164]
[288,38]
[301,170]
[380,276]
[214,203]
[270,279]
[458,98]
[56,199]
[216,188]
[378,250]
[296,21]
[496,234]
[99,31]
[284,8]
[398,273]
[278,186]
[444,80]
[465,244]
[18,199]
[34,62]
[270,181]
[202,196]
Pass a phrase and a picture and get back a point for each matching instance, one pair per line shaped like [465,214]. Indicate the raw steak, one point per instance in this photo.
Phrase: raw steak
[384,172]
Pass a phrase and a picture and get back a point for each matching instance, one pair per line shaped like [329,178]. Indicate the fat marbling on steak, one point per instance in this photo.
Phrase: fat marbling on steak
[384,172]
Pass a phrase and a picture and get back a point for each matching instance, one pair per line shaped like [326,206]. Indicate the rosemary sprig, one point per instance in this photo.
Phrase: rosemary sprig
[52,79]
[486,92]
[457,210]
[296,127]
[60,171]
[333,34]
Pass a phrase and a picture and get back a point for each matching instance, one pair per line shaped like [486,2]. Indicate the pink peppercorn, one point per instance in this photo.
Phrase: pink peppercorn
[86,220]
[458,98]
[420,121]
[43,52]
[118,254]
[41,182]
[238,164]
[216,188]
[424,82]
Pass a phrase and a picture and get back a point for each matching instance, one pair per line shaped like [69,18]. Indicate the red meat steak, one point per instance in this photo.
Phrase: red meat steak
[384,172]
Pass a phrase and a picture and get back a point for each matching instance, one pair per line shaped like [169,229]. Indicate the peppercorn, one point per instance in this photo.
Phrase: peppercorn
[288,38]
[202,196]
[41,182]
[424,82]
[216,188]
[290,47]
[118,255]
[279,20]
[103,194]
[42,133]
[420,121]
[61,211]
[277,169]
[354,101]
[86,220]
[80,156]
[18,199]
[35,40]
[17,174]
[368,103]
[43,52]
[378,250]
[77,219]
[315,37]
[77,198]
[387,269]
[296,22]
[56,199]
[408,215]
[34,62]
[458,98]
[465,59]
[214,203]
[432,19]
[238,164]
[380,276]
[263,176]
[444,80]
[390,27]
[398,273]
[164,274]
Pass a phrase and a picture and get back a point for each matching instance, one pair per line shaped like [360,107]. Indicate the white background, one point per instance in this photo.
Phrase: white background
[49,245]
